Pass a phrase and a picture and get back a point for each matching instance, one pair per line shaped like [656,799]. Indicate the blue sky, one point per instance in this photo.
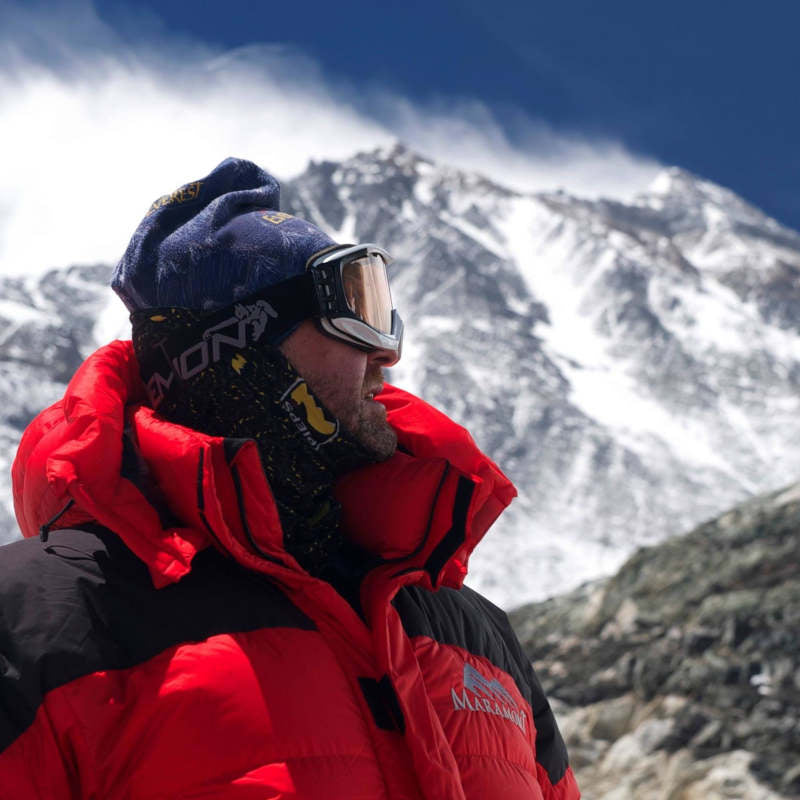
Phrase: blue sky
[710,85]
[591,96]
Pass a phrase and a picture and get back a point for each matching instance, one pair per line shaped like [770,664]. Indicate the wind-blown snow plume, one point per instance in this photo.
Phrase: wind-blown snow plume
[94,126]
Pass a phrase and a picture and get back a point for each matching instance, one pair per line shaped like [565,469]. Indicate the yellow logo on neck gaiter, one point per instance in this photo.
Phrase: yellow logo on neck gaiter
[314,414]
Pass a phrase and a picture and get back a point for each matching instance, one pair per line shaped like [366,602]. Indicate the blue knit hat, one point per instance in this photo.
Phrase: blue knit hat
[214,241]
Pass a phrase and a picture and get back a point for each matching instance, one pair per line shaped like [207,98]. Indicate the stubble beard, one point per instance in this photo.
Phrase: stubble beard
[363,419]
[374,432]
[371,428]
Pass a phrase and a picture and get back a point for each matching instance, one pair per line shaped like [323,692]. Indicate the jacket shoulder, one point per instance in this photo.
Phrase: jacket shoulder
[42,586]
[43,630]
[83,602]
[466,619]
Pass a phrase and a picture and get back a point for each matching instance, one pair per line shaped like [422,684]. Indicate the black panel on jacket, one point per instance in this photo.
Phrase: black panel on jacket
[468,620]
[84,603]
[382,700]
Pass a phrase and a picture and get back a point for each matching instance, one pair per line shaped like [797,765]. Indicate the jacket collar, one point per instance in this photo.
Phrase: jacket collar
[423,510]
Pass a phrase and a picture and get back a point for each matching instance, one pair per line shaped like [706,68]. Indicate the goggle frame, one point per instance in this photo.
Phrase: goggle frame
[336,318]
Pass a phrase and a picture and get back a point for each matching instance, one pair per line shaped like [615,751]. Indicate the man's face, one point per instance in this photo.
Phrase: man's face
[345,379]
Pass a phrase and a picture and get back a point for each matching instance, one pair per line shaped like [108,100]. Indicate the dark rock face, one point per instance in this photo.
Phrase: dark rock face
[46,341]
[699,634]
[776,294]
[46,330]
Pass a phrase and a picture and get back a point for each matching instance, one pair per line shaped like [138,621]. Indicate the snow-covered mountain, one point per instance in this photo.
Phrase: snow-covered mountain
[635,368]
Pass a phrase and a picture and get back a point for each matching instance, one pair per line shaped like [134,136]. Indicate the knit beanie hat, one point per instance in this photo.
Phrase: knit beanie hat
[214,241]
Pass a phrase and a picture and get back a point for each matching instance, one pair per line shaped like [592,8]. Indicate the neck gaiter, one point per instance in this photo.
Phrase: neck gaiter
[198,378]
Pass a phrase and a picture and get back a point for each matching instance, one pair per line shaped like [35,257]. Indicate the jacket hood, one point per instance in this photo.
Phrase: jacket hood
[425,508]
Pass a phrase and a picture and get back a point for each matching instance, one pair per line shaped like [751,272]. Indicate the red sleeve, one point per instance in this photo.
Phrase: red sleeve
[565,789]
[35,767]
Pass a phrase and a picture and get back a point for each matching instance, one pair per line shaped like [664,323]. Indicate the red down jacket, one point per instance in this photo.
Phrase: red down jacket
[142,659]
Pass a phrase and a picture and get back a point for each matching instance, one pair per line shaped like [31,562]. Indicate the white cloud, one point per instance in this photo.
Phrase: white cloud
[93,128]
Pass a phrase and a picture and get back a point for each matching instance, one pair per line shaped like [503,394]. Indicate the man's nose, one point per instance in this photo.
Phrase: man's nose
[383,357]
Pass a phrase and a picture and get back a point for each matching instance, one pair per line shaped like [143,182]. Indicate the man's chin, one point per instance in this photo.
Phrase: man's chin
[379,439]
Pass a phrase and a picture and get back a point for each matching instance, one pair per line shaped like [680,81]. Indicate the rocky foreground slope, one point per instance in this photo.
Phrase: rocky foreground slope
[679,677]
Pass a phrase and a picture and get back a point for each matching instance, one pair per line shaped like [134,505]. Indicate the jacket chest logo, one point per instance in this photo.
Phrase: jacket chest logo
[487,696]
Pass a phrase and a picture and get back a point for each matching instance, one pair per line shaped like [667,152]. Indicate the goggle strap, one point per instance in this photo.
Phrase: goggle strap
[268,316]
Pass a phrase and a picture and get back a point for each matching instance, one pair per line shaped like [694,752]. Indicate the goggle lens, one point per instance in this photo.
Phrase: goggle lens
[366,287]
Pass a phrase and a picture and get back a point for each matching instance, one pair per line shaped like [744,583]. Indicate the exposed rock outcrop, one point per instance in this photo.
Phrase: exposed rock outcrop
[679,677]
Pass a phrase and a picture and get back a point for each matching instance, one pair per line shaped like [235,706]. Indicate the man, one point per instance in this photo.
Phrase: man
[243,577]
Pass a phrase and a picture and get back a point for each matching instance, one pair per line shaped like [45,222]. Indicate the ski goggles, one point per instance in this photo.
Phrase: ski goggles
[344,288]
[354,302]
